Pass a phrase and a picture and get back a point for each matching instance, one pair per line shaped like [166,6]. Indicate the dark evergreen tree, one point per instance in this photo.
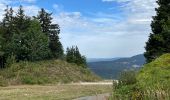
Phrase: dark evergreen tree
[54,43]
[7,24]
[31,45]
[26,38]
[73,56]
[21,21]
[51,30]
[6,33]
[158,42]
[45,20]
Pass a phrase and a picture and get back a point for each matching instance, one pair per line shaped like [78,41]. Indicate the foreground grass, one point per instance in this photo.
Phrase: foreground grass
[57,92]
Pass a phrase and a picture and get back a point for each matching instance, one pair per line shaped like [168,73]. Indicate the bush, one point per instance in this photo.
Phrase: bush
[10,60]
[3,81]
[126,85]
[127,78]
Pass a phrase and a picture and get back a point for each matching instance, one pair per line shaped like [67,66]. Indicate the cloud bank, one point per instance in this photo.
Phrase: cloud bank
[103,35]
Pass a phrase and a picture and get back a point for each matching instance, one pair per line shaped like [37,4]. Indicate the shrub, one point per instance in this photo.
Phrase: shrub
[10,60]
[127,78]
[125,86]
[3,81]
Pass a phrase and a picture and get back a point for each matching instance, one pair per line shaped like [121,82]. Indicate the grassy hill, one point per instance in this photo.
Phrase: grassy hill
[44,72]
[154,78]
[151,83]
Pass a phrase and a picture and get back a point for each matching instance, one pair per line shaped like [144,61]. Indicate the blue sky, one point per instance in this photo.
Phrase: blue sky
[100,28]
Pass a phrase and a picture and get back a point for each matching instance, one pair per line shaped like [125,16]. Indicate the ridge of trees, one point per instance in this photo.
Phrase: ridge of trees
[73,56]
[29,38]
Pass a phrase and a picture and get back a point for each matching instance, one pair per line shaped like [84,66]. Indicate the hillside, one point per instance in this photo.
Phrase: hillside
[151,83]
[44,72]
[156,75]
[111,69]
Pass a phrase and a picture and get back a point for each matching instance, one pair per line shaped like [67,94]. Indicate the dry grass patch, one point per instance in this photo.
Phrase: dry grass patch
[57,92]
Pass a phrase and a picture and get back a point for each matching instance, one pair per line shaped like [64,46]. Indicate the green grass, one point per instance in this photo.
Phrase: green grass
[152,82]
[154,79]
[156,73]
[54,92]
[44,72]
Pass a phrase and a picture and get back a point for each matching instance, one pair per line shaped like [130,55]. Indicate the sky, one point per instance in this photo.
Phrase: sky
[100,28]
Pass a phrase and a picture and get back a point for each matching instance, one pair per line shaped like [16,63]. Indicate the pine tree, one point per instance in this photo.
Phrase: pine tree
[73,56]
[21,21]
[52,31]
[31,45]
[7,24]
[158,42]
[69,55]
[54,43]
[45,20]
[6,19]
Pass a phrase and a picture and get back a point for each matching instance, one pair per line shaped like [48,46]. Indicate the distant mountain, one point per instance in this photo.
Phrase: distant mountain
[111,69]
[101,59]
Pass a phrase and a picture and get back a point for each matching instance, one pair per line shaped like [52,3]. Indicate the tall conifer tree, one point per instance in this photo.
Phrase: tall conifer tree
[45,20]
[52,31]
[73,56]
[158,42]
[54,43]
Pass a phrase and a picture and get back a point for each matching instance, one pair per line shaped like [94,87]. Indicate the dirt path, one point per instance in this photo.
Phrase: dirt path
[96,97]
[93,83]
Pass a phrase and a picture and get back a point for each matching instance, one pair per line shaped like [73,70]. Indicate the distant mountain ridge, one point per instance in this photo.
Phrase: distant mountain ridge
[101,59]
[111,69]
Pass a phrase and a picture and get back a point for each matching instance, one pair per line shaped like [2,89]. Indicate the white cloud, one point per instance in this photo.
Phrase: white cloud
[106,35]
[31,10]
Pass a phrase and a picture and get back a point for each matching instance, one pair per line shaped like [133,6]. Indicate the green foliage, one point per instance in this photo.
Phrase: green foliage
[45,21]
[156,73]
[158,42]
[55,44]
[125,86]
[127,78]
[33,44]
[10,60]
[73,56]
[52,31]
[3,81]
[28,38]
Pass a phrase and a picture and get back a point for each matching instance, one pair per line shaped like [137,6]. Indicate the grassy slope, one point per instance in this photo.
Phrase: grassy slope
[154,79]
[156,74]
[44,72]
[153,82]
